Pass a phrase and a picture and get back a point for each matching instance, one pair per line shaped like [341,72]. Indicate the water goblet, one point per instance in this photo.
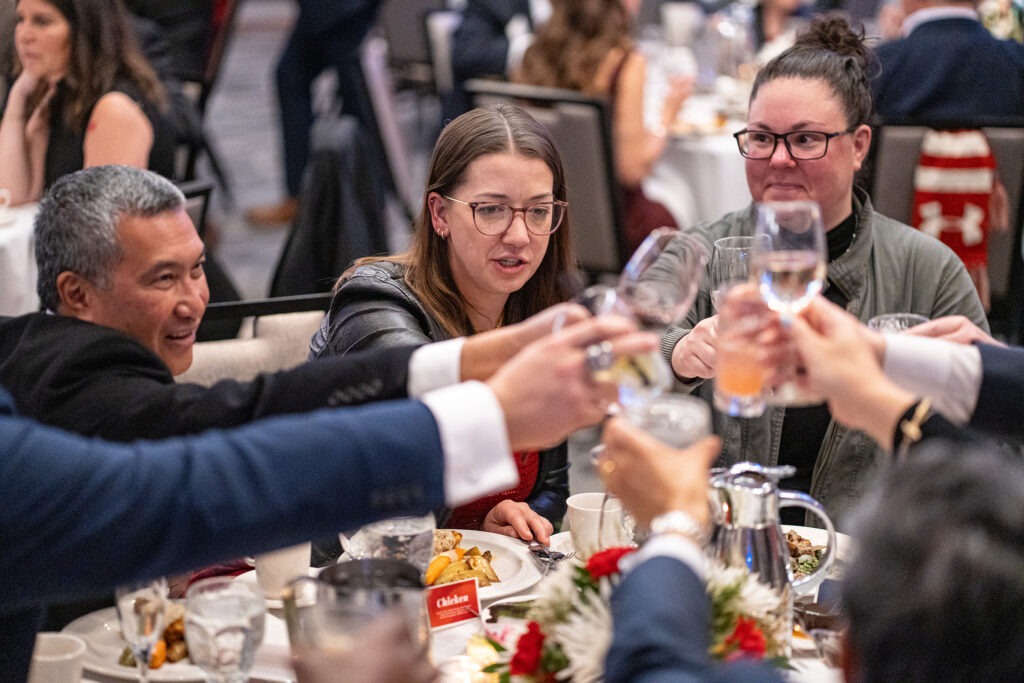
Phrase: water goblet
[224,623]
[730,264]
[410,539]
[140,611]
[789,266]
[895,322]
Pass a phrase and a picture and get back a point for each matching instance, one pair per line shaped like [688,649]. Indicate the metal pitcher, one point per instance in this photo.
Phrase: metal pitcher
[745,502]
[329,611]
[745,506]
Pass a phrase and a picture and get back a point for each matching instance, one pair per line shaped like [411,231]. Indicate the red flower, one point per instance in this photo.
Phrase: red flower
[606,562]
[746,640]
[526,660]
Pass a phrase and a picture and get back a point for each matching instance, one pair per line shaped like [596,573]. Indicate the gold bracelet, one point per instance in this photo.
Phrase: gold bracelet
[910,428]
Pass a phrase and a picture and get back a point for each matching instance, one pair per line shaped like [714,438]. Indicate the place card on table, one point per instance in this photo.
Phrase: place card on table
[453,603]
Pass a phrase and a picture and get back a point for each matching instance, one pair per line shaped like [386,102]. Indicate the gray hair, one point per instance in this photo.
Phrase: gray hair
[76,226]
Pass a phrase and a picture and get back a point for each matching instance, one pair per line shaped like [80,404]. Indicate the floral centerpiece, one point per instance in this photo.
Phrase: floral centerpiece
[569,625]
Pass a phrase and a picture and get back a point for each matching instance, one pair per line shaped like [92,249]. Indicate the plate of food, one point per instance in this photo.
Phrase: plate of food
[502,564]
[806,545]
[101,632]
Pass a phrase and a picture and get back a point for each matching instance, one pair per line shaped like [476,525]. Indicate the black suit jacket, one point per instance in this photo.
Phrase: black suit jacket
[661,617]
[950,69]
[479,46]
[95,380]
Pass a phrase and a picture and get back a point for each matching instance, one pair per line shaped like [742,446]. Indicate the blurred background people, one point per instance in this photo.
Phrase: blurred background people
[490,40]
[83,95]
[875,265]
[492,246]
[948,66]
[587,45]
[326,35]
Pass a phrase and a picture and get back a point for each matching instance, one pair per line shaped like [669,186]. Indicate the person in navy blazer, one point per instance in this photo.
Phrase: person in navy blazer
[948,66]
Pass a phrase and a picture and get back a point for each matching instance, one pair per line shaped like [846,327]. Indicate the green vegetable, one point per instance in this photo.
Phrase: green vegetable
[127,658]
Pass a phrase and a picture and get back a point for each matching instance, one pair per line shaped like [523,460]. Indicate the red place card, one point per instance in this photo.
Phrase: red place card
[452,603]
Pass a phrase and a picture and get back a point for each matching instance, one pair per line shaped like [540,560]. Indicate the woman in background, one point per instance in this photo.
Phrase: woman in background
[587,45]
[83,95]
[491,247]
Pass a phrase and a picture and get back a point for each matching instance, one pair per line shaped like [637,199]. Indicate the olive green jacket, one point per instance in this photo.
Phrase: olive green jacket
[889,268]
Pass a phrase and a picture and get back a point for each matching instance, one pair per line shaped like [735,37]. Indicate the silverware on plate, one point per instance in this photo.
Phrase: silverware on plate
[545,556]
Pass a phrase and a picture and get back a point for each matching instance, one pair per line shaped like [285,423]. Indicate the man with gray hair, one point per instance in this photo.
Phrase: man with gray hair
[121,274]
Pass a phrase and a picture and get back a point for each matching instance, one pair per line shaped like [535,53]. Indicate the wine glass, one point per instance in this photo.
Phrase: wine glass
[657,287]
[789,266]
[140,611]
[224,622]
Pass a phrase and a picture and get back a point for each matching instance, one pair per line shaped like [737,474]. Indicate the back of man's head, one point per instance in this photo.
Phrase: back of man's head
[936,591]
[76,226]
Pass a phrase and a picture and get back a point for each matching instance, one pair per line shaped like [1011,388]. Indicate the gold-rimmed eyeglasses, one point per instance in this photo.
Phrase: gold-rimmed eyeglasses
[493,218]
[802,145]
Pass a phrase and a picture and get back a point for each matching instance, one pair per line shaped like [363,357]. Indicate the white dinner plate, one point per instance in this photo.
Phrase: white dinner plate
[844,549]
[102,635]
[510,559]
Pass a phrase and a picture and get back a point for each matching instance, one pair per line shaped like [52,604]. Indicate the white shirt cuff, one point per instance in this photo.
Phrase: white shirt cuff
[477,454]
[947,373]
[433,366]
[667,545]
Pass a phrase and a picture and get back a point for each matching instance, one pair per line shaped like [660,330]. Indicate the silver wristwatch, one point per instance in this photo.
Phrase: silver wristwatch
[679,522]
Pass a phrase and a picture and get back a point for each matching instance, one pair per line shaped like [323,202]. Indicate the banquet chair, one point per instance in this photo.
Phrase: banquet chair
[895,155]
[276,338]
[403,25]
[581,128]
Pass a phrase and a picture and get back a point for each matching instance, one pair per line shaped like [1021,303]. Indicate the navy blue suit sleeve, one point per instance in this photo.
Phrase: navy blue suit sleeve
[662,616]
[81,515]
[1002,392]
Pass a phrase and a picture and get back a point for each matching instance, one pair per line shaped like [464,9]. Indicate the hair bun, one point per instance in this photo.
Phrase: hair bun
[833,32]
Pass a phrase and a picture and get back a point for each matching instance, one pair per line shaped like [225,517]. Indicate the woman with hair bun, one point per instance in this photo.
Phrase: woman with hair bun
[807,135]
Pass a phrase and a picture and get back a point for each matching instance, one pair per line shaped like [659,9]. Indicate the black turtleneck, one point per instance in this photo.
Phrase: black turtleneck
[803,429]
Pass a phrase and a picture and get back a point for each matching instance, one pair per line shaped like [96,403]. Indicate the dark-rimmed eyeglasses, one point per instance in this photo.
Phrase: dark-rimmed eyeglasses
[802,145]
[493,218]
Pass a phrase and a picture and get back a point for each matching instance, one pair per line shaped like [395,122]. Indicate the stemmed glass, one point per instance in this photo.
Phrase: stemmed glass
[140,610]
[789,266]
[730,264]
[224,622]
[657,288]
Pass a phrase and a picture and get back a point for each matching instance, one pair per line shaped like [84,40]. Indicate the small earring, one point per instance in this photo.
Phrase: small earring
[442,234]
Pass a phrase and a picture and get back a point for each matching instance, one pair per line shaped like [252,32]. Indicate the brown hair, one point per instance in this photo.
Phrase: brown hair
[103,51]
[568,51]
[487,130]
[831,51]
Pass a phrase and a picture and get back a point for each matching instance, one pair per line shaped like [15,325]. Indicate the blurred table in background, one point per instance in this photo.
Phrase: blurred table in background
[17,261]
[701,176]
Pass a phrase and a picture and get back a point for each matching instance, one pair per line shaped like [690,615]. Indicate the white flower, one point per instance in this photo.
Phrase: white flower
[585,636]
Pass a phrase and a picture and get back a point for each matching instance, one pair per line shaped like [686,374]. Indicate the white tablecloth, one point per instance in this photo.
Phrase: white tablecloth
[699,178]
[18,262]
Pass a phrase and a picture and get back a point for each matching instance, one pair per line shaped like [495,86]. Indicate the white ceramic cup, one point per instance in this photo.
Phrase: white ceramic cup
[584,519]
[57,658]
[275,569]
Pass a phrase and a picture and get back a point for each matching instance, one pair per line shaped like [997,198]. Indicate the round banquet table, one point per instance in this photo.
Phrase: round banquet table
[17,261]
[699,177]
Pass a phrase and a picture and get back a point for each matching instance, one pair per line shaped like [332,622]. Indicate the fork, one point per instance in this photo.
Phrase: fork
[547,557]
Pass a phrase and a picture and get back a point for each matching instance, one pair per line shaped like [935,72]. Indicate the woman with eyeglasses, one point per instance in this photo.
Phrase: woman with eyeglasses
[491,247]
[807,135]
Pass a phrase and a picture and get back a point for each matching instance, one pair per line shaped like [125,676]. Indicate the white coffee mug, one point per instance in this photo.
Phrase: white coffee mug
[275,569]
[584,519]
[57,658]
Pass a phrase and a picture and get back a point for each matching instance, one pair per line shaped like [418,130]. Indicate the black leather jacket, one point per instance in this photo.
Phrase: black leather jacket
[376,308]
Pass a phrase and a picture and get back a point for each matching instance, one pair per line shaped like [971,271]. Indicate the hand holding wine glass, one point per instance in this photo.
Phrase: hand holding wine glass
[789,266]
[140,611]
